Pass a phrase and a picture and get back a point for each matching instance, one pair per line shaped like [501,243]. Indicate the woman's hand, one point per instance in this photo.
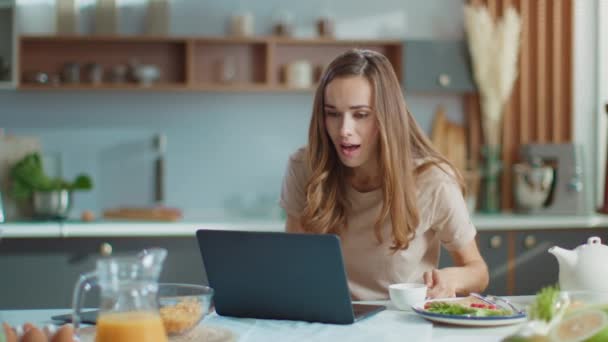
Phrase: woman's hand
[438,284]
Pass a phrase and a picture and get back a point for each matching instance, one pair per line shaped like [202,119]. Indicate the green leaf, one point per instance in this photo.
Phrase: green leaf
[82,182]
[543,307]
[27,176]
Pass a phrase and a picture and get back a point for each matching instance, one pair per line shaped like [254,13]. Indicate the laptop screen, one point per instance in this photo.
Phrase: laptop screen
[277,275]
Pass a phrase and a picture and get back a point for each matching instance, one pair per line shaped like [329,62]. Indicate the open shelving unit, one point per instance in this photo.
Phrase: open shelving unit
[187,63]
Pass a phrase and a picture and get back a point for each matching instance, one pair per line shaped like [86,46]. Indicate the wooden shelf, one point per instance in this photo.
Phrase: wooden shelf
[223,64]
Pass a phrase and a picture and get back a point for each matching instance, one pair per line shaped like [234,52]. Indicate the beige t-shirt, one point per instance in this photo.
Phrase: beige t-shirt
[371,268]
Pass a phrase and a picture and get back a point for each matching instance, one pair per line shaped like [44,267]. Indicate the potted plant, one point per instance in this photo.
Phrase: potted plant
[51,197]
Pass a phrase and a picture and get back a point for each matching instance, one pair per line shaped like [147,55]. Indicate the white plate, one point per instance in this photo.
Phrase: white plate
[466,320]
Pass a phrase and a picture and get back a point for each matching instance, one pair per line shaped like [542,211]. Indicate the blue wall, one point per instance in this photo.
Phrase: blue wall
[226,152]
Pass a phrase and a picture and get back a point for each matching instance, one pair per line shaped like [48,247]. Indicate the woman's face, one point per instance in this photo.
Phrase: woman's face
[350,120]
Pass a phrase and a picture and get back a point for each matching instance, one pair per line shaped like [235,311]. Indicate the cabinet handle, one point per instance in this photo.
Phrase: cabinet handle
[444,80]
[495,241]
[530,241]
[105,249]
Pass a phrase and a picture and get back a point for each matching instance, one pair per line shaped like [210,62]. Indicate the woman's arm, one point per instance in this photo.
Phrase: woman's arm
[469,275]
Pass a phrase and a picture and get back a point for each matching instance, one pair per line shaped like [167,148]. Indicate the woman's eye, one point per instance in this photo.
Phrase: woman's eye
[332,114]
[361,115]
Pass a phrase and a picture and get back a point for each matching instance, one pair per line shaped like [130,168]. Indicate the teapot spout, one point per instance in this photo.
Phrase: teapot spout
[565,257]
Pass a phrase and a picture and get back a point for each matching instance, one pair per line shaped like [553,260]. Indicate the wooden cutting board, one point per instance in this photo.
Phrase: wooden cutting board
[449,139]
[144,214]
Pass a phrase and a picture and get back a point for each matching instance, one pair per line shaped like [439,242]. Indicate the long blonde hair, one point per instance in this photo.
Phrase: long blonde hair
[401,141]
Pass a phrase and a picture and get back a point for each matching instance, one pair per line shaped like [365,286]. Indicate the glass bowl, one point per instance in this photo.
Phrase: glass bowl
[183,306]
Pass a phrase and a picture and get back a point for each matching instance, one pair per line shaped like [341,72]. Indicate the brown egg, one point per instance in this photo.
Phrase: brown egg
[33,335]
[10,334]
[27,326]
[87,216]
[64,334]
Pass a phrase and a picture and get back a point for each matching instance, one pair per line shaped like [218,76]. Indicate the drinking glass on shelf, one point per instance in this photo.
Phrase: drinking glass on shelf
[227,69]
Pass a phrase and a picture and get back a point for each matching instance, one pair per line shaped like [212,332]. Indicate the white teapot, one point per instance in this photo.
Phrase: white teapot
[583,268]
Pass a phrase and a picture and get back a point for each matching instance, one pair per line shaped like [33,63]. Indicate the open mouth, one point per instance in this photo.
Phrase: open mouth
[349,149]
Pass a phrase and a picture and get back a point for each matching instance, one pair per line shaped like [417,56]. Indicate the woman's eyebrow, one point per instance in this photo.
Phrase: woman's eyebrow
[351,107]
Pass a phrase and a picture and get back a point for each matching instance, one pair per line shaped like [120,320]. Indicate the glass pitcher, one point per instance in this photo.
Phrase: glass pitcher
[128,309]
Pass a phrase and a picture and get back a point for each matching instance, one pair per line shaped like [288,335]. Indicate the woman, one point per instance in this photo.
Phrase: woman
[371,176]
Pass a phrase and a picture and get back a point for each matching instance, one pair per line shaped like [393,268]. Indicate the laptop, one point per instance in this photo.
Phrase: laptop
[272,275]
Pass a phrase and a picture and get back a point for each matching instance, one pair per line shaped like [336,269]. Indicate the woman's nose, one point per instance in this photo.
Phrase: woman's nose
[347,127]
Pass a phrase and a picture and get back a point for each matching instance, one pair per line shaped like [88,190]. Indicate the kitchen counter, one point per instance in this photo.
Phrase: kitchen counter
[499,222]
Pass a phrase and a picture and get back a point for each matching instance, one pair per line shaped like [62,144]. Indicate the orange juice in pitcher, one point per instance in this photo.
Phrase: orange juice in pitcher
[129,327]
[128,310]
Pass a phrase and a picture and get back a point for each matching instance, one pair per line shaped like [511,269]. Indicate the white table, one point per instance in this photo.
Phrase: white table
[389,325]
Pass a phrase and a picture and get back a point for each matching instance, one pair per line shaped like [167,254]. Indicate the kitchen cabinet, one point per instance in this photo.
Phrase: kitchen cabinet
[188,63]
[535,268]
[518,260]
[8,44]
[437,66]
[493,247]
[41,273]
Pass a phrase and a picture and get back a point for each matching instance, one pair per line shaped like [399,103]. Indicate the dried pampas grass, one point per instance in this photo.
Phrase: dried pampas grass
[494,48]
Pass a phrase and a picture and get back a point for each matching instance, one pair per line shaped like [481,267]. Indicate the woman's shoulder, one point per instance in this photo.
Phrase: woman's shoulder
[299,156]
[298,163]
[431,172]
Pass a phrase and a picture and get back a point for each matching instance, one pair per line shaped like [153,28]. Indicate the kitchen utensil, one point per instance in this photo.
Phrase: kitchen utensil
[70,73]
[449,139]
[157,17]
[160,143]
[106,17]
[94,73]
[144,214]
[532,184]
[227,69]
[583,268]
[568,191]
[128,309]
[183,306]
[604,208]
[145,74]
[241,24]
[67,17]
[1,210]
[5,70]
[325,26]
[283,23]
[495,300]
[52,205]
[36,77]
[119,73]
[299,74]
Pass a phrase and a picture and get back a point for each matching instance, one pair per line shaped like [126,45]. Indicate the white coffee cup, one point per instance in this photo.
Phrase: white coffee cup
[404,295]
